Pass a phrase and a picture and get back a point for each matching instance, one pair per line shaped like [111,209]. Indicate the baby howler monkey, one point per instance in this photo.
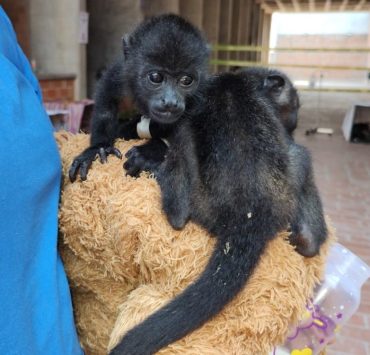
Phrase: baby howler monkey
[164,63]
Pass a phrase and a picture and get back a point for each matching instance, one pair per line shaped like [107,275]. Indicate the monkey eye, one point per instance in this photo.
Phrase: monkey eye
[155,77]
[186,80]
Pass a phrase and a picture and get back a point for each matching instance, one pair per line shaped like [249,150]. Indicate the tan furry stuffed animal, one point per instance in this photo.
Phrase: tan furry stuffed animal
[124,261]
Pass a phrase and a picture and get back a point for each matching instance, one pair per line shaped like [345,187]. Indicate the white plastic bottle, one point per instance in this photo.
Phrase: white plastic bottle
[335,300]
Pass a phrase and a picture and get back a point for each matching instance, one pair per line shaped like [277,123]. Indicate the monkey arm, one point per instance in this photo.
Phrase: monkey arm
[174,166]
[109,93]
[172,173]
[104,123]
[175,189]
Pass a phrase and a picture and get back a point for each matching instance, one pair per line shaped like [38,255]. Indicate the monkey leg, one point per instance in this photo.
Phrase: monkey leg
[303,240]
[308,232]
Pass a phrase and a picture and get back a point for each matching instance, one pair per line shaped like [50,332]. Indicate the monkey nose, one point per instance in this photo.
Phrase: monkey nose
[172,106]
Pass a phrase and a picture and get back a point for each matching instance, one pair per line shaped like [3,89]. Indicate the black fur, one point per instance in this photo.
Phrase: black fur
[308,227]
[166,46]
[227,168]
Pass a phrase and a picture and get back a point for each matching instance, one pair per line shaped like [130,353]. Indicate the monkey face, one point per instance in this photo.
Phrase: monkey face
[163,95]
[165,59]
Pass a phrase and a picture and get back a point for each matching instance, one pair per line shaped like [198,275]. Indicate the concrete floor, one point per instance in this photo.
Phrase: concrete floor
[342,173]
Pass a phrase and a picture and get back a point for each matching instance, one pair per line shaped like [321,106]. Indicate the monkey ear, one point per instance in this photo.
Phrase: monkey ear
[125,44]
[274,81]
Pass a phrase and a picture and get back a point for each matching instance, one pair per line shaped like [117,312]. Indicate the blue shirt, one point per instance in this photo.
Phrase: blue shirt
[35,304]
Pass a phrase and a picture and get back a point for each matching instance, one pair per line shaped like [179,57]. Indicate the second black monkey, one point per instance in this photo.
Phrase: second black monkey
[308,227]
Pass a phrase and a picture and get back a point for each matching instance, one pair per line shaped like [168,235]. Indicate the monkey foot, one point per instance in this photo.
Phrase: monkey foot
[82,163]
[304,242]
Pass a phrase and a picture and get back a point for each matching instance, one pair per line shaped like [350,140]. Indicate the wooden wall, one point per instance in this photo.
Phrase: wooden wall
[237,22]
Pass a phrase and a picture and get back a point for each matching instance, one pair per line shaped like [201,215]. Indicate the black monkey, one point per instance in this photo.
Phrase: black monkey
[228,169]
[165,62]
[308,227]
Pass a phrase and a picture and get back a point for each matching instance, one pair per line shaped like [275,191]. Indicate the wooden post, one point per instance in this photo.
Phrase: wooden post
[157,7]
[234,34]
[192,10]
[211,24]
[242,28]
[248,27]
[260,33]
[225,29]
[254,29]
[266,38]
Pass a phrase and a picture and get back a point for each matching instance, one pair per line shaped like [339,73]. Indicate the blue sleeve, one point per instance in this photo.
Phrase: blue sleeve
[36,309]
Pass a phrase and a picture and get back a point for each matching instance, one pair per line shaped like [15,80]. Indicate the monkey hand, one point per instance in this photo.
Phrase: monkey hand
[146,157]
[82,163]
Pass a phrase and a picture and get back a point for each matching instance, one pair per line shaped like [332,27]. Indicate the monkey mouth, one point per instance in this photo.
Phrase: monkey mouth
[165,116]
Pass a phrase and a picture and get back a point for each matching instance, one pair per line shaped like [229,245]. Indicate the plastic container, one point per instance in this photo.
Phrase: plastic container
[335,300]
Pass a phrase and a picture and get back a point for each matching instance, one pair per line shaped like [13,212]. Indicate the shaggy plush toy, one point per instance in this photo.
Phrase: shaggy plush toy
[124,261]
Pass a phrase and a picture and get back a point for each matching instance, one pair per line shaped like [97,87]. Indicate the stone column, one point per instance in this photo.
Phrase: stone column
[54,39]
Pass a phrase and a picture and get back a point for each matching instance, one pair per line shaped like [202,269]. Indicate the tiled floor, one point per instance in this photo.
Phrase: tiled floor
[342,173]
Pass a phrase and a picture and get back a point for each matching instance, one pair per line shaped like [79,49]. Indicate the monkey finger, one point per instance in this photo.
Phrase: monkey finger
[127,165]
[116,152]
[72,173]
[84,168]
[131,169]
[133,173]
[102,155]
[131,153]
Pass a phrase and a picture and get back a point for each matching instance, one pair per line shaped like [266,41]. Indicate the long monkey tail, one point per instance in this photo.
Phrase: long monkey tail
[227,271]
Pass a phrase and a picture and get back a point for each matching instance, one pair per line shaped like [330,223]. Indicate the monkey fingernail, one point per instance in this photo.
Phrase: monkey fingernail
[102,155]
[117,153]
[130,153]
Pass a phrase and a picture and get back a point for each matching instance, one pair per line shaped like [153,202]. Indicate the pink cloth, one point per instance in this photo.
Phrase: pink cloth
[73,112]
